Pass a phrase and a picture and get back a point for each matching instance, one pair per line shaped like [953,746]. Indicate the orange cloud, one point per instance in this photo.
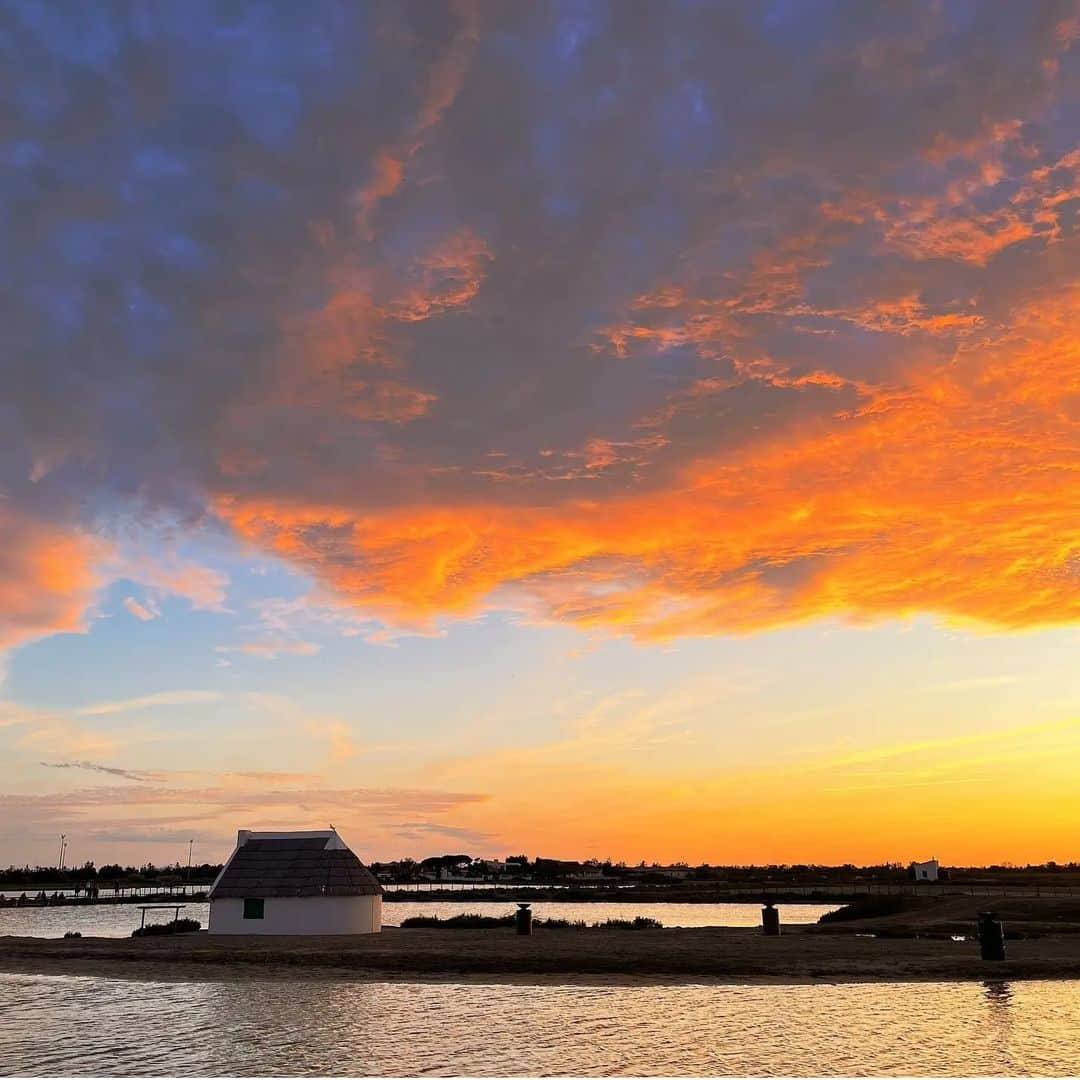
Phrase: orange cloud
[447,276]
[947,483]
[346,355]
[949,227]
[956,493]
[47,578]
[443,86]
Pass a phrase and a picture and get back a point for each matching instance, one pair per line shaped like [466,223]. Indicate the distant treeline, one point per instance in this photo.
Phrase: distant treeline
[107,876]
[520,868]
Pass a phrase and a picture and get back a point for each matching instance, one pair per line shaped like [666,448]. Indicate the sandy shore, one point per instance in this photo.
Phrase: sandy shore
[685,955]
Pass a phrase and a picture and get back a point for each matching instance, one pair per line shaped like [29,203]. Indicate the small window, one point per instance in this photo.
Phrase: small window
[253,908]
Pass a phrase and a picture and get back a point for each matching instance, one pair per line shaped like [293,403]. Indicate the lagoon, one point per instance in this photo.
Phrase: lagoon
[72,1025]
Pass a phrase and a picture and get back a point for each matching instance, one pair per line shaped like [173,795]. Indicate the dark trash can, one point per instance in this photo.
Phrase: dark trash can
[991,936]
[770,920]
[523,919]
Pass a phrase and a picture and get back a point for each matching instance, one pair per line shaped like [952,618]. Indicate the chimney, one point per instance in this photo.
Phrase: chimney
[242,837]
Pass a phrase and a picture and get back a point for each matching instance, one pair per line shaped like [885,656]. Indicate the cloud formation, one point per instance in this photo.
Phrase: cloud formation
[161,699]
[143,612]
[272,648]
[159,811]
[690,320]
[93,766]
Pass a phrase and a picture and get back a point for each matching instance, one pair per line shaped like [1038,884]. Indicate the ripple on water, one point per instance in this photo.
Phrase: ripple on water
[74,1025]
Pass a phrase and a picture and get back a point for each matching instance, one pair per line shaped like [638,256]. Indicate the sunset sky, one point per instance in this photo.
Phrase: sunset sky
[631,430]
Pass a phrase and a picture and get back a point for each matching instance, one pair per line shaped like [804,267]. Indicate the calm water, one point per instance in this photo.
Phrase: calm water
[108,920]
[71,1025]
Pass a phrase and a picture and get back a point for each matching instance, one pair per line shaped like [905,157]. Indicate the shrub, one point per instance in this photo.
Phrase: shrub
[468,921]
[72,933]
[177,926]
[640,922]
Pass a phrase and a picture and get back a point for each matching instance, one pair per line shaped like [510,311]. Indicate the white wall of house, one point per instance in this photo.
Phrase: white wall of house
[925,871]
[300,915]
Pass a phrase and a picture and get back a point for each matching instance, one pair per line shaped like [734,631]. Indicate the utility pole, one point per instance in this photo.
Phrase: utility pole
[60,857]
[187,877]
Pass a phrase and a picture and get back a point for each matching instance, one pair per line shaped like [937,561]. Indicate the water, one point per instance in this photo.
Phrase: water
[68,1025]
[118,920]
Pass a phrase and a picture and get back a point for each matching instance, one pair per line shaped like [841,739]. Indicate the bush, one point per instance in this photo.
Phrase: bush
[72,933]
[459,922]
[640,922]
[177,926]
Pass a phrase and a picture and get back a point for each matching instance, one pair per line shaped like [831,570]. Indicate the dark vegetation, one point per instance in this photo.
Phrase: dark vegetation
[582,879]
[520,869]
[108,877]
[177,926]
[472,921]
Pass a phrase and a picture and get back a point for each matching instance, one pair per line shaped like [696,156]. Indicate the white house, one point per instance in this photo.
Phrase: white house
[294,883]
[924,871]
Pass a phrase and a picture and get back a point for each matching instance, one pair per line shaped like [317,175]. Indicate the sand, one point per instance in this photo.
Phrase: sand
[675,955]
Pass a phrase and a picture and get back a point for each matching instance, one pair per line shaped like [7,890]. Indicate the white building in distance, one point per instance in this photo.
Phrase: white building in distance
[924,871]
[294,883]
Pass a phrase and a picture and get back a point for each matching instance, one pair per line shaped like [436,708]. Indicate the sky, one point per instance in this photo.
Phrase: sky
[632,431]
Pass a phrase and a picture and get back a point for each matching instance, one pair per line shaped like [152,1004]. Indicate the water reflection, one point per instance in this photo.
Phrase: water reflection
[86,1026]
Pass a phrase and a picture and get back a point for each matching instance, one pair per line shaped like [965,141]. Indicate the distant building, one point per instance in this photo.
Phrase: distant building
[587,873]
[294,883]
[492,867]
[676,873]
[924,871]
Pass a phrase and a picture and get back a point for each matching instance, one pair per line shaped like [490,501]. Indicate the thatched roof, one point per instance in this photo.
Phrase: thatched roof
[293,864]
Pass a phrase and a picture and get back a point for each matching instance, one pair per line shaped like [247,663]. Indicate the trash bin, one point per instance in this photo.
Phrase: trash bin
[991,936]
[523,919]
[770,920]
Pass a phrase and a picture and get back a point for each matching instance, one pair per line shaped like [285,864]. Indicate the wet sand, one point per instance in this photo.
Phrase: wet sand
[676,955]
